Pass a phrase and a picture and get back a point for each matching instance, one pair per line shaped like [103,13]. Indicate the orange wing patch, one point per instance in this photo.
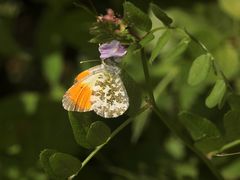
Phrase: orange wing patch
[82,75]
[77,98]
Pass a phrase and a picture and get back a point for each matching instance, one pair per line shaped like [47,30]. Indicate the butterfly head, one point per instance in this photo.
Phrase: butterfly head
[111,65]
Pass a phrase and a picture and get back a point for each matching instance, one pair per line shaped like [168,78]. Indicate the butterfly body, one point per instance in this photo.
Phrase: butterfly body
[100,89]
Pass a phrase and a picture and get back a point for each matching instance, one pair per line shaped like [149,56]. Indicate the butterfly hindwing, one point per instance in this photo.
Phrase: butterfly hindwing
[109,97]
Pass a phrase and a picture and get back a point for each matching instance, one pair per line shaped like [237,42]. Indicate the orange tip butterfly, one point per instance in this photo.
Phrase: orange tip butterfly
[99,89]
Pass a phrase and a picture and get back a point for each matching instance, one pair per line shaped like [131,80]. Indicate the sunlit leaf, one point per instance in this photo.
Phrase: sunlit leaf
[161,15]
[98,133]
[227,58]
[162,41]
[231,7]
[198,127]
[64,165]
[136,17]
[80,123]
[217,93]
[199,69]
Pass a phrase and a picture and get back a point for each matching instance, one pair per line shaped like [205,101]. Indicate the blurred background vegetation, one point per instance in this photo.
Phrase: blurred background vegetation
[41,44]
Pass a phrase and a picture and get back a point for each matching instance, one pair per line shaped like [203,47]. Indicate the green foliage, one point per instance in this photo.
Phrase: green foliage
[199,69]
[178,50]
[98,133]
[161,15]
[146,39]
[64,165]
[198,127]
[217,94]
[80,125]
[232,124]
[59,165]
[231,7]
[135,17]
[44,159]
[163,39]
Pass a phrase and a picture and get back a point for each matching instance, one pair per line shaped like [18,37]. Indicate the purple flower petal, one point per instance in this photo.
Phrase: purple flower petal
[112,49]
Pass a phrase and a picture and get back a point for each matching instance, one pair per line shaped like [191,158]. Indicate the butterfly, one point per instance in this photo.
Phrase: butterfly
[99,89]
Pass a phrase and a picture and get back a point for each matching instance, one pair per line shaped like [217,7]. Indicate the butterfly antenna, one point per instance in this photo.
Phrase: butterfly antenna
[89,61]
[84,7]
[93,7]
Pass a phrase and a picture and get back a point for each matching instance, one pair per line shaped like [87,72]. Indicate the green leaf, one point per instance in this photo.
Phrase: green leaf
[148,38]
[199,69]
[52,67]
[227,58]
[80,123]
[178,50]
[217,93]
[44,160]
[209,145]
[161,15]
[64,165]
[162,41]
[198,127]
[234,101]
[136,18]
[232,125]
[98,133]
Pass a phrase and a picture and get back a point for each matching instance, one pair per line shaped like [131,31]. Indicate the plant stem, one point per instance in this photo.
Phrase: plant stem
[187,141]
[147,77]
[114,133]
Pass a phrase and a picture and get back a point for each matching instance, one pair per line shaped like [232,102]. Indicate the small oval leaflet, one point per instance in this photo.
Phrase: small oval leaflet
[44,159]
[217,93]
[64,165]
[199,69]
[98,133]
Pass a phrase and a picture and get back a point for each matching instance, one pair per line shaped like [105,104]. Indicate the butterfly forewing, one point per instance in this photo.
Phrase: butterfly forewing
[77,98]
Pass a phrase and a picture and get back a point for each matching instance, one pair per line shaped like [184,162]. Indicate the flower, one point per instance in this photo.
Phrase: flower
[112,49]
[109,17]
